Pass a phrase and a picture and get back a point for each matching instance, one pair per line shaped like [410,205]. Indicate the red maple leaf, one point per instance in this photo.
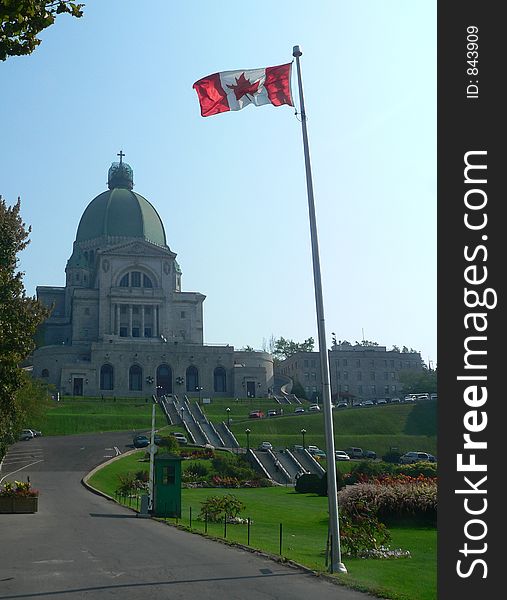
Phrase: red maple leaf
[244,87]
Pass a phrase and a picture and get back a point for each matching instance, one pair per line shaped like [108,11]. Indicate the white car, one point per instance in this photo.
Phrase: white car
[341,455]
[26,434]
[314,408]
[266,446]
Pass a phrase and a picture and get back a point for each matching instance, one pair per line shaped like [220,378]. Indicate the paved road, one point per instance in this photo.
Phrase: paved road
[80,545]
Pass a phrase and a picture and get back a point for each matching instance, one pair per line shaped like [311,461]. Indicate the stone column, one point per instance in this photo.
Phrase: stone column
[155,320]
[130,320]
[142,320]
[117,319]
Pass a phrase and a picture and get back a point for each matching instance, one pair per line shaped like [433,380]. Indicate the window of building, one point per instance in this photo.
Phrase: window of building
[344,362]
[147,282]
[307,376]
[135,378]
[305,363]
[372,375]
[183,314]
[358,362]
[135,279]
[124,282]
[393,375]
[106,377]
[147,310]
[386,375]
[386,389]
[147,332]
[168,475]
[313,376]
[164,380]
[123,332]
[392,363]
[393,388]
[219,380]
[345,374]
[192,377]
[45,373]
[312,363]
[135,332]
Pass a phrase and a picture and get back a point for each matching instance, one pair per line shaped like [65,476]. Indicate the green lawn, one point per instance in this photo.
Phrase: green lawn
[71,416]
[304,531]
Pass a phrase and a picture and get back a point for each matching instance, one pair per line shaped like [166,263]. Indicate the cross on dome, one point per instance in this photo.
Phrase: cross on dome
[121,155]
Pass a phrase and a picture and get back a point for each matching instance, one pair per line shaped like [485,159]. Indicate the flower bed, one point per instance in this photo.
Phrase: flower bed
[18,497]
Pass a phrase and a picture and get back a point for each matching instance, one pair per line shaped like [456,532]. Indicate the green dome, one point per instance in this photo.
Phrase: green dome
[120,212]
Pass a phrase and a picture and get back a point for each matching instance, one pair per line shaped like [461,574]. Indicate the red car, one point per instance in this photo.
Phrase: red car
[256,414]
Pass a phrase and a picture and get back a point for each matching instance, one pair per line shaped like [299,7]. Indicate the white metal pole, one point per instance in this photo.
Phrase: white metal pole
[152,453]
[336,564]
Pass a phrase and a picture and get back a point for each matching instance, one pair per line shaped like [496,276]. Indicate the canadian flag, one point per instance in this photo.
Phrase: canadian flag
[233,90]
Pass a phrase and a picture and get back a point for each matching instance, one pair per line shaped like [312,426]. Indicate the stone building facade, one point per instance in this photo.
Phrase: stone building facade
[122,326]
[357,373]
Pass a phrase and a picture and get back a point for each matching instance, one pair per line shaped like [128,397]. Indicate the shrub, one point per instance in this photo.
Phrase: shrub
[419,468]
[310,483]
[232,466]
[225,482]
[360,530]
[398,499]
[366,469]
[392,457]
[215,508]
[169,443]
[197,469]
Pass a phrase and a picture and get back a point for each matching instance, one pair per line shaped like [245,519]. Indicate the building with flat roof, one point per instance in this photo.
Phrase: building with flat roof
[357,372]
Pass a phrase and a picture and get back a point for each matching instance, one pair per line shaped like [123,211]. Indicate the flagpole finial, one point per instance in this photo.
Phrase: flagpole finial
[296,51]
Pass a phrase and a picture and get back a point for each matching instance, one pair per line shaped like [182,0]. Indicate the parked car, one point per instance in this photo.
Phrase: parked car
[382,401]
[37,433]
[141,441]
[314,408]
[434,397]
[313,450]
[299,410]
[368,403]
[354,452]
[26,434]
[341,455]
[180,437]
[342,405]
[413,457]
[297,448]
[370,454]
[395,400]
[265,446]
[319,454]
[256,414]
[272,412]
[423,396]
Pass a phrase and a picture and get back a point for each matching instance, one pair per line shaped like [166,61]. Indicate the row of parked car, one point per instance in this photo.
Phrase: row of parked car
[29,434]
[142,440]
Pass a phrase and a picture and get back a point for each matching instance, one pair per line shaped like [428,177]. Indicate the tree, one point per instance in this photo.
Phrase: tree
[22,20]
[285,348]
[419,382]
[19,318]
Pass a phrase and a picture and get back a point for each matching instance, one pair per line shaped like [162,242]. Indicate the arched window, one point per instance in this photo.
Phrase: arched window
[136,279]
[164,380]
[219,380]
[192,378]
[45,373]
[106,377]
[135,378]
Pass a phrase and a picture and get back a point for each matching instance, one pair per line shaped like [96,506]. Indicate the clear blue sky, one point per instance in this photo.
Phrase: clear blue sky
[231,188]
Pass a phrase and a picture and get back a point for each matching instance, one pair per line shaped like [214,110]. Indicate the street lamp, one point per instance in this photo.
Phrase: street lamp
[199,389]
[247,431]
[303,431]
[228,417]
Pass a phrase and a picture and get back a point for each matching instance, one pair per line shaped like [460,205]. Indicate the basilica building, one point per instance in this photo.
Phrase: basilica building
[122,325]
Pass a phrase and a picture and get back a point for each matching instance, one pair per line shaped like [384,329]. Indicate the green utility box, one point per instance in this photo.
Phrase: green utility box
[167,486]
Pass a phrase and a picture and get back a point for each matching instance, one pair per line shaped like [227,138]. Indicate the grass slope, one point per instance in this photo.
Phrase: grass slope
[71,416]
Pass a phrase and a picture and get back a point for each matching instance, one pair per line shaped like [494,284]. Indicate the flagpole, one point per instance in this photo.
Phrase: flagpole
[336,564]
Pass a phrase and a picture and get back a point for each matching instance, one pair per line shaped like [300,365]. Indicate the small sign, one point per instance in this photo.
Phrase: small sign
[206,400]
